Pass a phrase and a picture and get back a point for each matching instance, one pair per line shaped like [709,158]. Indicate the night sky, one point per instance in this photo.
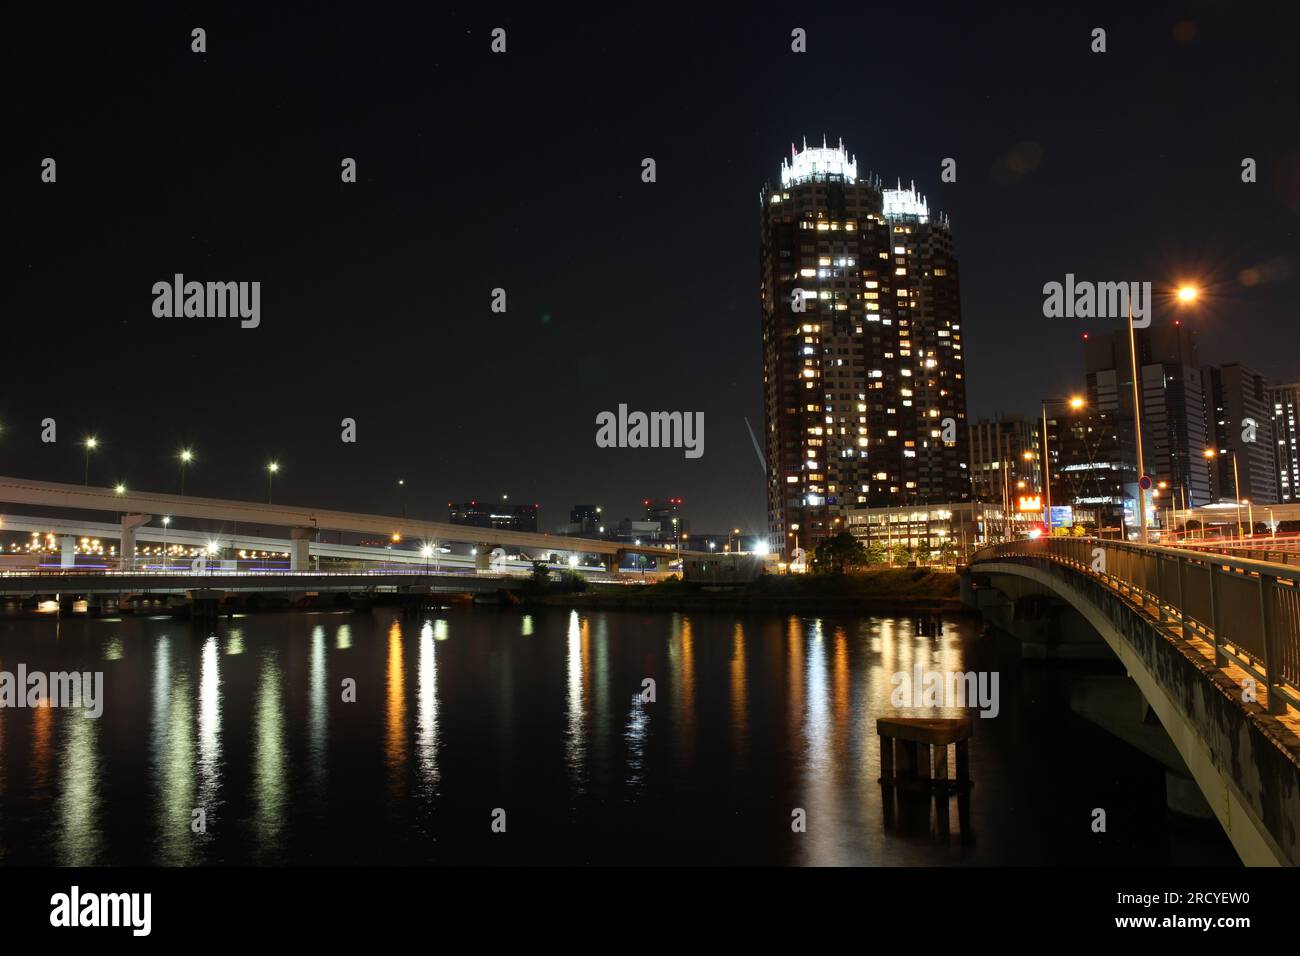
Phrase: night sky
[522,171]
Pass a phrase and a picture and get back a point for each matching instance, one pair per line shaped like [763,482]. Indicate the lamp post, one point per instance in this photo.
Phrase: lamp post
[186,456]
[91,444]
[1185,294]
[167,520]
[1155,493]
[1137,426]
[1236,482]
[1074,403]
[271,469]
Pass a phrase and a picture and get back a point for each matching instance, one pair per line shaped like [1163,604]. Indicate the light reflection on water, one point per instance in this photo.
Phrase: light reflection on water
[542,713]
[270,762]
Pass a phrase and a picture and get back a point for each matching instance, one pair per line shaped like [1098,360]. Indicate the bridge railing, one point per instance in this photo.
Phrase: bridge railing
[1248,609]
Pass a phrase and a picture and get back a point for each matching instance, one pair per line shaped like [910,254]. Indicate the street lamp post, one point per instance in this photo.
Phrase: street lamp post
[167,520]
[1185,294]
[1137,426]
[1236,482]
[91,444]
[186,457]
[1075,403]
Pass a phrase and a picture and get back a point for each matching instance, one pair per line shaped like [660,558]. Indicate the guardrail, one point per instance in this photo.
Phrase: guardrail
[1248,609]
[1256,552]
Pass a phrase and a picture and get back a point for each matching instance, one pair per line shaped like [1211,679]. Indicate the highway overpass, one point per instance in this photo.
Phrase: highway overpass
[140,508]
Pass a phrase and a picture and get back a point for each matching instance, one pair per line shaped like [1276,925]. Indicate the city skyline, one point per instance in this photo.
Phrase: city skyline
[525,437]
[422,238]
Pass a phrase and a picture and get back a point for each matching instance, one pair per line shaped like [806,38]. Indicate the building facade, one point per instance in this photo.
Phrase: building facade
[1241,410]
[1091,470]
[863,369]
[1176,425]
[1004,457]
[1285,400]
[482,514]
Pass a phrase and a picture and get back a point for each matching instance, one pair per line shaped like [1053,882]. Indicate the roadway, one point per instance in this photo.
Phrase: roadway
[48,494]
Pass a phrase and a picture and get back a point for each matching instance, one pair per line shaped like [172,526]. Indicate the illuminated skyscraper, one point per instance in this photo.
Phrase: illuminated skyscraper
[1285,400]
[863,372]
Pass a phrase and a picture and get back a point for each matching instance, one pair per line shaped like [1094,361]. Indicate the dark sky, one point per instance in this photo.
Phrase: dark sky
[523,171]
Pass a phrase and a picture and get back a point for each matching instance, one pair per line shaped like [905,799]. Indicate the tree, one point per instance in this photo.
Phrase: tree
[876,553]
[835,554]
[902,554]
[541,578]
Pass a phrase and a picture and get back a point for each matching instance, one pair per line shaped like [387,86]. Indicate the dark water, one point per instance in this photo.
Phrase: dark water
[460,712]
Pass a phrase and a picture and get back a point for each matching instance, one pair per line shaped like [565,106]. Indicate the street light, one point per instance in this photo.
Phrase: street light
[186,456]
[271,470]
[1184,294]
[120,488]
[167,520]
[1236,482]
[1074,402]
[91,444]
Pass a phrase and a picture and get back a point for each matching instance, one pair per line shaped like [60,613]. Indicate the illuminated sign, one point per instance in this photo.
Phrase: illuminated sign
[1062,516]
[1030,503]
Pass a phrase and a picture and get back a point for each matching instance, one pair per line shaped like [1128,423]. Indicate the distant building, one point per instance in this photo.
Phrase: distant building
[585,521]
[1285,400]
[932,531]
[1090,469]
[1242,416]
[724,542]
[1176,427]
[487,515]
[1004,456]
[667,513]
[640,532]
[720,569]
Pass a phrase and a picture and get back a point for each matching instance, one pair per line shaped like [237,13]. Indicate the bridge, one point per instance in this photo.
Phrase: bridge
[1212,642]
[303,524]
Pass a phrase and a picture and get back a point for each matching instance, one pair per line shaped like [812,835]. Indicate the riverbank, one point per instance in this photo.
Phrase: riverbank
[883,589]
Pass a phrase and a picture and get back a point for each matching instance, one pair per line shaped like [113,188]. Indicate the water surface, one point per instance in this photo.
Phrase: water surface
[463,712]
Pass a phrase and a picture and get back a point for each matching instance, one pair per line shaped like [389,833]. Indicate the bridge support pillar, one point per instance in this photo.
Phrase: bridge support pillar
[68,558]
[619,555]
[126,543]
[482,556]
[300,540]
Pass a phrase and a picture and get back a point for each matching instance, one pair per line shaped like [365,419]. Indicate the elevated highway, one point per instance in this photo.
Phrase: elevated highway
[140,508]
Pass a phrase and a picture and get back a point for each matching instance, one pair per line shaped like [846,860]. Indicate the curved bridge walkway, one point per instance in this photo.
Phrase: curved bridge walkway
[1213,643]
